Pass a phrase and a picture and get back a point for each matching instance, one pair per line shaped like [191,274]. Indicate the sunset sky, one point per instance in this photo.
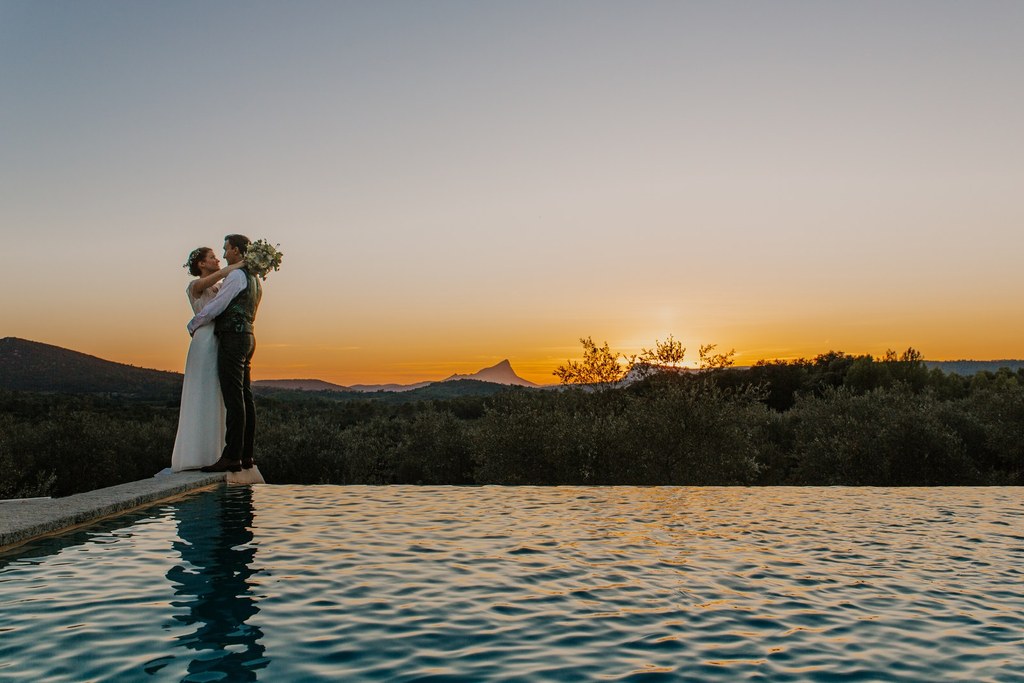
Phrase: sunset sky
[457,182]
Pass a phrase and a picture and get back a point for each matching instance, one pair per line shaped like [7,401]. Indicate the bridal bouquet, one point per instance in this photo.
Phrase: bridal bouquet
[261,257]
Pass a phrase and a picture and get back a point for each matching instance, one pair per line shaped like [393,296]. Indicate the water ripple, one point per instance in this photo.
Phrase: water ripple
[491,583]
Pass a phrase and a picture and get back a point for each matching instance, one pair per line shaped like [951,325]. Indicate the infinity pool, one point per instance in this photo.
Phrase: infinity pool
[290,583]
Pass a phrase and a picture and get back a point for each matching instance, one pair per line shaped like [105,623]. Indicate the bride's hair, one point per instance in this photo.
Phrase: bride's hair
[194,258]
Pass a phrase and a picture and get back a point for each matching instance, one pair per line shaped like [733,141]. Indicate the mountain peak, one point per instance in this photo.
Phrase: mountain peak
[500,373]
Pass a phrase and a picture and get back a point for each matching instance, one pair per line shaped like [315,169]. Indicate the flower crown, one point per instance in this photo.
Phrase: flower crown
[193,257]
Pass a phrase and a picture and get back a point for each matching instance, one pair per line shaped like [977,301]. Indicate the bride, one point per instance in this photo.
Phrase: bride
[200,435]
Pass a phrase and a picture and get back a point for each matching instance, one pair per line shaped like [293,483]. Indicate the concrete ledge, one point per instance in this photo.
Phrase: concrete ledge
[23,520]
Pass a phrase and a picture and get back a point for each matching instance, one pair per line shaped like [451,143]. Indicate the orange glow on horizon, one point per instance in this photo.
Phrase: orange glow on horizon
[530,356]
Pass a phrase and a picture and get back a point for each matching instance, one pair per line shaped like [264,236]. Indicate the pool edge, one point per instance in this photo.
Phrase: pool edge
[22,521]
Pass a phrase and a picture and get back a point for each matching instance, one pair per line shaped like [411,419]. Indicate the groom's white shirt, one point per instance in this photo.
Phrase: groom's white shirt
[232,285]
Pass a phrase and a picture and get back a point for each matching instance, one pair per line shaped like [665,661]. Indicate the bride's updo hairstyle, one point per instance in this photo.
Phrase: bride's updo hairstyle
[194,258]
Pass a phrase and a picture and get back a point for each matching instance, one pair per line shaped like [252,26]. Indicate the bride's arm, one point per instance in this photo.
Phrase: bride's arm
[204,283]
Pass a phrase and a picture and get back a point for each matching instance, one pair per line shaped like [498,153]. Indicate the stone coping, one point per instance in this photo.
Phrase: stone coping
[23,520]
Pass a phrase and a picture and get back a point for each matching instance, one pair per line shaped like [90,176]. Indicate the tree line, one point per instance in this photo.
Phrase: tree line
[836,419]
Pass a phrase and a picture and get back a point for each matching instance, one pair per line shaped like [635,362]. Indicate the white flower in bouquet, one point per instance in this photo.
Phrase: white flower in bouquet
[261,257]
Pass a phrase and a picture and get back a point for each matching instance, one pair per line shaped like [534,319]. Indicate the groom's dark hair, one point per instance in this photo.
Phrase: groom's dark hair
[239,242]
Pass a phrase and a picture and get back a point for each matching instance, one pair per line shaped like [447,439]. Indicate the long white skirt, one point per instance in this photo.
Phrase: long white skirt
[200,437]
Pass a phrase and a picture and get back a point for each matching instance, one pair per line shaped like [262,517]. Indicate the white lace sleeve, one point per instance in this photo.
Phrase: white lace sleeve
[191,299]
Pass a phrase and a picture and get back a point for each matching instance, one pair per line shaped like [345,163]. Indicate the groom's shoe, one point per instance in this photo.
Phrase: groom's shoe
[247,463]
[223,465]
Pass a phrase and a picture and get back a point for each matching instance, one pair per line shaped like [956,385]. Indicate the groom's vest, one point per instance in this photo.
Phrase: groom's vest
[241,312]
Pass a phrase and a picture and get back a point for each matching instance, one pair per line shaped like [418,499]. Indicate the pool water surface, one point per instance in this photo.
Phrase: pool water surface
[292,583]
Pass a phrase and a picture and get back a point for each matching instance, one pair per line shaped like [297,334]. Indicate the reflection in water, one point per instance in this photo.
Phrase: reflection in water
[215,542]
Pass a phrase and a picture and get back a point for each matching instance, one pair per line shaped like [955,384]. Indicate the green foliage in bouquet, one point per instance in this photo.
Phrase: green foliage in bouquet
[262,257]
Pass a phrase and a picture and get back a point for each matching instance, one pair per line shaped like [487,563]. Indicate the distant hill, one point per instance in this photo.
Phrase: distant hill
[300,385]
[502,374]
[454,389]
[430,392]
[970,367]
[34,366]
[375,388]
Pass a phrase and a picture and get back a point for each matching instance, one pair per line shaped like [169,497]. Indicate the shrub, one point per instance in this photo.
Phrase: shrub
[886,437]
[695,433]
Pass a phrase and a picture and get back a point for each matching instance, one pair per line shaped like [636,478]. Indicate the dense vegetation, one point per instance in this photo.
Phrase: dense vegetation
[836,419]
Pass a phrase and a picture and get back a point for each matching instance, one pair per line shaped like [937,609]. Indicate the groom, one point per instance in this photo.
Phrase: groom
[232,313]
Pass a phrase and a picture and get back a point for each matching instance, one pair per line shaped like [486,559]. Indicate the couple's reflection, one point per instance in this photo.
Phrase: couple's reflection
[213,584]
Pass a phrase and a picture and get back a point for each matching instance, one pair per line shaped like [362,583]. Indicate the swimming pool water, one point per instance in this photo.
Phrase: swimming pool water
[290,583]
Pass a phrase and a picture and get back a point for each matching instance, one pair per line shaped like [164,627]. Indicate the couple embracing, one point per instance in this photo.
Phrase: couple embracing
[217,415]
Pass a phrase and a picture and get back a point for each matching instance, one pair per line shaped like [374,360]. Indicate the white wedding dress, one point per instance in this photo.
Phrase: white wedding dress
[200,437]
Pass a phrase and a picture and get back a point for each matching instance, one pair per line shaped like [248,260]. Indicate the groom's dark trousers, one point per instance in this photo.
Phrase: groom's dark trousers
[234,358]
